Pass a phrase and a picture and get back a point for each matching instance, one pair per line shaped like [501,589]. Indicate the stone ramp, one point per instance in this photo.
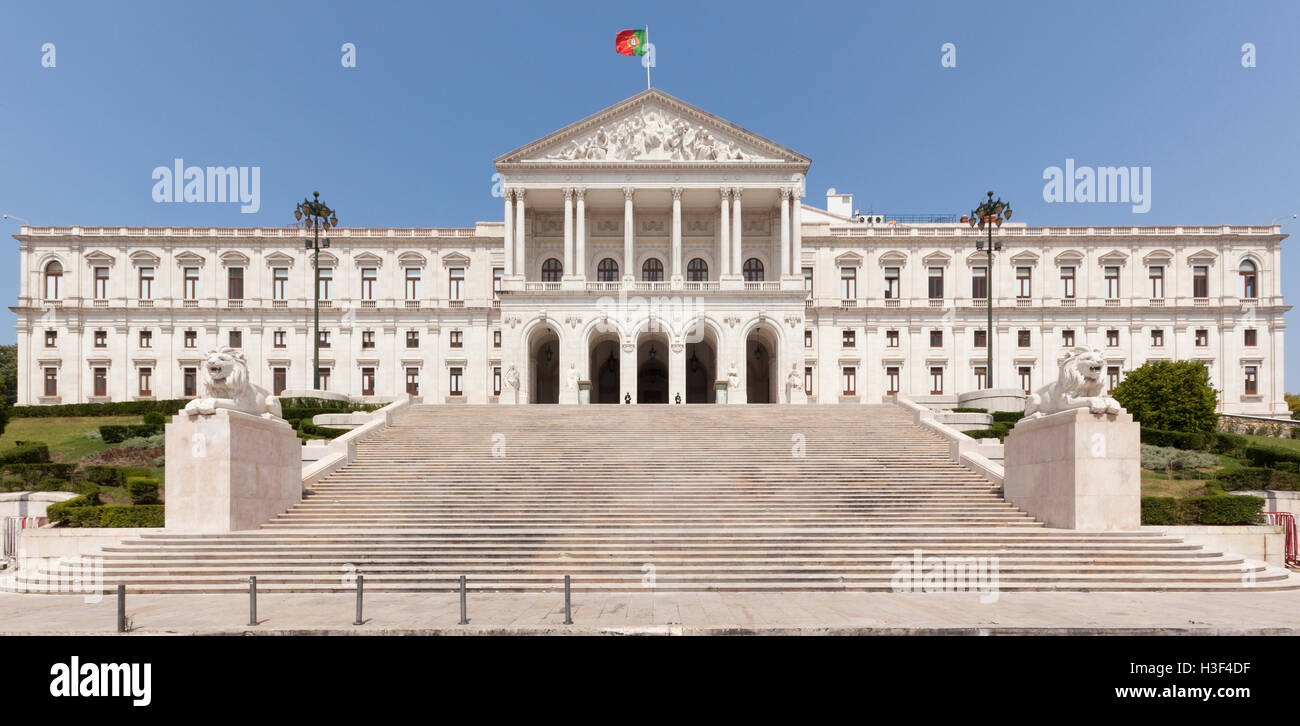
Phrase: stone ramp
[678,498]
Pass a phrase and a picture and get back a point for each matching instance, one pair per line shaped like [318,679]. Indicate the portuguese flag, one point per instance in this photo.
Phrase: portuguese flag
[630,42]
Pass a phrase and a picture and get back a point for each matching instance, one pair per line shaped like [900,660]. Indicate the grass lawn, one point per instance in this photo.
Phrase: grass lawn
[65,436]
[1275,442]
[1156,484]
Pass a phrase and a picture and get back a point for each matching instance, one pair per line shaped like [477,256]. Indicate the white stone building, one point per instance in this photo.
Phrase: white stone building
[649,251]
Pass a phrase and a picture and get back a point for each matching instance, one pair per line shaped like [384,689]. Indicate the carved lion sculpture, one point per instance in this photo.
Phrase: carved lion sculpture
[1079,385]
[226,385]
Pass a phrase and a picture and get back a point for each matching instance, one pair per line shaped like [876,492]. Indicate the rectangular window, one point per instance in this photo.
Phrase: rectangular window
[1251,339]
[191,283]
[1157,277]
[1112,378]
[891,338]
[1026,384]
[412,339]
[235,283]
[936,381]
[1252,380]
[412,283]
[1022,338]
[808,380]
[1067,282]
[146,338]
[279,339]
[979,283]
[807,338]
[1112,283]
[369,278]
[496,380]
[279,380]
[367,340]
[1157,338]
[1067,338]
[51,381]
[191,378]
[101,283]
[891,379]
[191,339]
[892,286]
[936,283]
[1200,281]
[981,339]
[850,375]
[456,283]
[454,387]
[497,274]
[936,338]
[324,375]
[324,338]
[1024,282]
[1202,337]
[236,339]
[280,283]
[413,381]
[367,381]
[51,338]
[849,283]
[146,381]
[1112,338]
[849,338]
[981,377]
[496,338]
[101,338]
[146,283]
[808,282]
[456,339]
[101,382]
[324,282]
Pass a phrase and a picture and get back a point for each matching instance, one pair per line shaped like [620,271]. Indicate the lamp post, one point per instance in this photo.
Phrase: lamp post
[317,216]
[988,215]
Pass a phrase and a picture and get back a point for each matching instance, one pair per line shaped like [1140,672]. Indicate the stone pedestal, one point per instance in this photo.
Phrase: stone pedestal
[230,471]
[1076,470]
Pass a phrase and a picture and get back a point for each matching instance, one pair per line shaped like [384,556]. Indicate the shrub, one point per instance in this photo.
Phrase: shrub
[1160,511]
[1009,417]
[1159,458]
[1170,395]
[1221,509]
[1270,456]
[155,418]
[26,452]
[1258,478]
[142,490]
[112,408]
[970,410]
[307,427]
[61,512]
[120,433]
[143,442]
[983,434]
[113,515]
[108,476]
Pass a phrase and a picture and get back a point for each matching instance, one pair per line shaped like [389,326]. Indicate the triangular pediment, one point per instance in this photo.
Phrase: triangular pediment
[279,259]
[189,259]
[652,127]
[368,259]
[100,258]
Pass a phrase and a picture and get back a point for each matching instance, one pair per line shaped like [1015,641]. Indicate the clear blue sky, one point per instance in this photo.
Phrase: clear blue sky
[407,137]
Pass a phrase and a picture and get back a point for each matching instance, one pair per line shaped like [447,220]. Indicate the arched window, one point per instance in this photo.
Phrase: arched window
[607,271]
[552,270]
[753,270]
[652,270]
[697,270]
[1248,279]
[54,280]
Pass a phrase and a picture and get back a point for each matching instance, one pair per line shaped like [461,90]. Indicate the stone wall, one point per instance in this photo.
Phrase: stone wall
[1260,426]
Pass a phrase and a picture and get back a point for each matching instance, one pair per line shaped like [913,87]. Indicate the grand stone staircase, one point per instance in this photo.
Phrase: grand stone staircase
[739,498]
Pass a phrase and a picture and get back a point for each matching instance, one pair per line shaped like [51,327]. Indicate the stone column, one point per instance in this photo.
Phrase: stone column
[629,234]
[796,232]
[737,232]
[676,372]
[519,232]
[510,232]
[724,233]
[580,240]
[627,371]
[786,267]
[677,236]
[568,231]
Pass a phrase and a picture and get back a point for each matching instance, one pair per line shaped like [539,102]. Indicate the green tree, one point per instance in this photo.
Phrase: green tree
[8,381]
[1170,395]
[1293,403]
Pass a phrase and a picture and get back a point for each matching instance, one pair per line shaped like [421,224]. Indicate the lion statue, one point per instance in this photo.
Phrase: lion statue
[1079,385]
[226,385]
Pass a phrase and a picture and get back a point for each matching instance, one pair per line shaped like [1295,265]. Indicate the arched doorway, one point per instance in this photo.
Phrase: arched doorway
[604,367]
[544,367]
[761,361]
[701,366]
[652,368]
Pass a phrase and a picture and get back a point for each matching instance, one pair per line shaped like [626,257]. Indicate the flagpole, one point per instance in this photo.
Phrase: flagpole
[647,65]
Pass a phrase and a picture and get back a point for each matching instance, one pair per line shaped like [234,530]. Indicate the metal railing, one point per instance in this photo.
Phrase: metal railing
[1291,551]
[14,525]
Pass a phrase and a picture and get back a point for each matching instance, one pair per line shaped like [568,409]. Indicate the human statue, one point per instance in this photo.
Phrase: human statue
[512,377]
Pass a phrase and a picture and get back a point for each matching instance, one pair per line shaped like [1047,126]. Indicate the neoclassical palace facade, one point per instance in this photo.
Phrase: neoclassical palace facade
[650,253]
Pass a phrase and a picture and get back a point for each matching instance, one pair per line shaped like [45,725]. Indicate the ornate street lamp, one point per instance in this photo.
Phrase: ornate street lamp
[988,215]
[317,216]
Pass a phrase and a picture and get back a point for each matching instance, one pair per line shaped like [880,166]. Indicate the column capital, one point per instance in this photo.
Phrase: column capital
[785,193]
[628,192]
[518,192]
[568,193]
[737,192]
[797,193]
[725,192]
[677,192]
[580,192]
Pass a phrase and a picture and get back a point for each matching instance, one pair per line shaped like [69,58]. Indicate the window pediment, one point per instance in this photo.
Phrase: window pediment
[415,259]
[940,259]
[368,259]
[99,258]
[1114,257]
[143,258]
[189,259]
[455,259]
[279,259]
[1158,257]
[892,258]
[232,258]
[849,259]
[1203,257]
[1025,257]
[1069,257]
[327,259]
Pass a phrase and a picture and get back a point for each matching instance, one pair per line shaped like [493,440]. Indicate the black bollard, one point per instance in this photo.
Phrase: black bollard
[463,620]
[568,616]
[252,600]
[121,608]
[360,586]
